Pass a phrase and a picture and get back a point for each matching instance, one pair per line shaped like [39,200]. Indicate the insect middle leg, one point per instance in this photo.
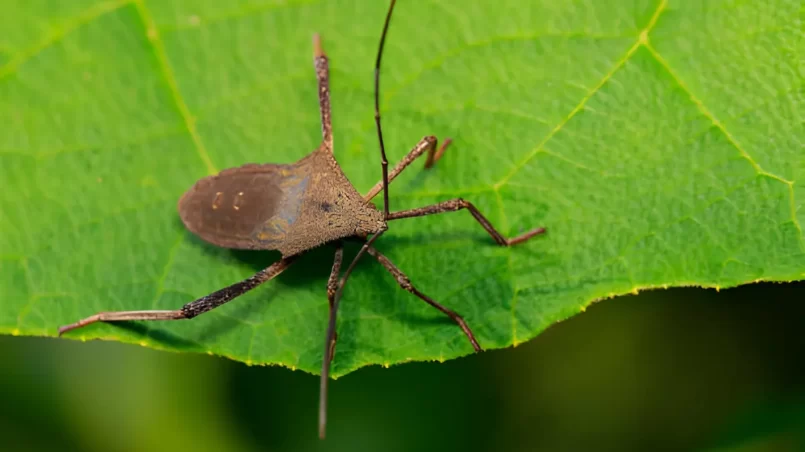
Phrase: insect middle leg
[459,204]
[193,308]
[405,283]
[428,144]
[332,335]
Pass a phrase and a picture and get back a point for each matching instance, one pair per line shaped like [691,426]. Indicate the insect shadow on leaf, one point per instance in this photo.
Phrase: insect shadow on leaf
[296,207]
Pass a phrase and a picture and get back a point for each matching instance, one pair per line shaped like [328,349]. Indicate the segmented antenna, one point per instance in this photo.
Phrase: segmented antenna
[383,161]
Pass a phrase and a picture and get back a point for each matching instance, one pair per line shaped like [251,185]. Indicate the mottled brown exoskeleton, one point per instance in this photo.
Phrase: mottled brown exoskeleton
[295,207]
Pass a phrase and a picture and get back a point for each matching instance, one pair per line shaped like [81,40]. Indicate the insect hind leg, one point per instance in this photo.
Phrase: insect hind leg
[405,283]
[193,308]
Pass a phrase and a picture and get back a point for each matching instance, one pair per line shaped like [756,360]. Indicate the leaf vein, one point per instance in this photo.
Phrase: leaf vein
[57,33]
[653,232]
[146,138]
[730,138]
[709,115]
[439,60]
[249,92]
[251,345]
[26,308]
[95,220]
[509,264]
[238,13]
[160,282]
[580,106]
[152,36]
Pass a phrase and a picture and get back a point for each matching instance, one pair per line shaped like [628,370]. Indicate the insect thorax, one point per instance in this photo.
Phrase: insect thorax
[319,205]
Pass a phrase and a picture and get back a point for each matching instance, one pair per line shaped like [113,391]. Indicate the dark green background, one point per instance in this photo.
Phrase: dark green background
[683,369]
[136,100]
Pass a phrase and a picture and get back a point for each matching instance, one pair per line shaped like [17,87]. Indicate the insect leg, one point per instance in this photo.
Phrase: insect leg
[322,66]
[332,287]
[426,144]
[193,308]
[435,154]
[458,204]
[405,283]
[325,365]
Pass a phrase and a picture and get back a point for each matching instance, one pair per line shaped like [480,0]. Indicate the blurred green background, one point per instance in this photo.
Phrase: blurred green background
[682,369]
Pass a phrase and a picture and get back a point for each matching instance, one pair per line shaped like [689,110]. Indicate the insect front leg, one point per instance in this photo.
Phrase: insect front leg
[428,144]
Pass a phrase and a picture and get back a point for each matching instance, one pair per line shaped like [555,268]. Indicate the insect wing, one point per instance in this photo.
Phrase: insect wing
[249,207]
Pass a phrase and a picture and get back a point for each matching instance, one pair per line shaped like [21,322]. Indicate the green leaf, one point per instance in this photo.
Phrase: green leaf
[660,142]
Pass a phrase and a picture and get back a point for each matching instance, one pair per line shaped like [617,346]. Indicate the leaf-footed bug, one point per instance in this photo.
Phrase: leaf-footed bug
[295,207]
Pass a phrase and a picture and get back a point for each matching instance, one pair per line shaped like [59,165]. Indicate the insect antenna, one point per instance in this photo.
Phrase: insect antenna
[383,161]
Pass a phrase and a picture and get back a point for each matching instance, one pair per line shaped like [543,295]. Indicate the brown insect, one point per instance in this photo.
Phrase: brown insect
[295,207]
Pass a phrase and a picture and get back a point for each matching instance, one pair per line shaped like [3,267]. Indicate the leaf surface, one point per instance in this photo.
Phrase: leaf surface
[660,142]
